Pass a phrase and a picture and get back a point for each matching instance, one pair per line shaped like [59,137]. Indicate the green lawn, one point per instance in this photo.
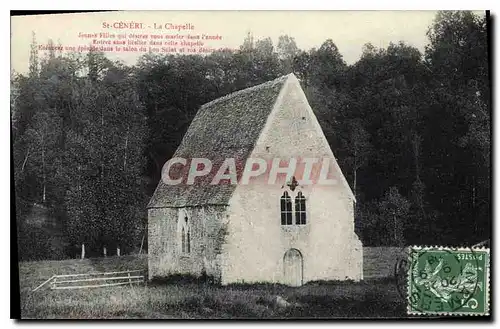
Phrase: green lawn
[195,300]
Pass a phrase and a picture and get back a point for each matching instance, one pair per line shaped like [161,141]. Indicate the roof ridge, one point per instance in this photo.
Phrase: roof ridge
[246,90]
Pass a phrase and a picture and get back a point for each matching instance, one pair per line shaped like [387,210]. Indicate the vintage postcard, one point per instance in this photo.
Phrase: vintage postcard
[252,164]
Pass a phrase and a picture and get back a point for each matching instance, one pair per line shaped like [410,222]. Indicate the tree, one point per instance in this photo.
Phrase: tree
[301,65]
[248,43]
[457,56]
[43,138]
[33,60]
[106,151]
[410,131]
[329,66]
[287,50]
[394,208]
[360,147]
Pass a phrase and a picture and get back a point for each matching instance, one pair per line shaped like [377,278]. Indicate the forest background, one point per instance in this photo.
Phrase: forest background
[411,131]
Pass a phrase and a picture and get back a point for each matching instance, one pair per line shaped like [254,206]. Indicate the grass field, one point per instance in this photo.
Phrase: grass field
[376,298]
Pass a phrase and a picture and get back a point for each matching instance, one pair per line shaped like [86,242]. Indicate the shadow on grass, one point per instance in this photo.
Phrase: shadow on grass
[320,299]
[182,279]
[192,297]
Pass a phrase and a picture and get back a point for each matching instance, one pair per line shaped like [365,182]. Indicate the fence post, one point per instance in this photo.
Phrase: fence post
[105,252]
[142,243]
[129,280]
[44,283]
[83,251]
[118,251]
[143,236]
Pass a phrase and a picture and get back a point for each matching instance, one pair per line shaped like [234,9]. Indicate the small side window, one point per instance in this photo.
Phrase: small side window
[286,209]
[300,209]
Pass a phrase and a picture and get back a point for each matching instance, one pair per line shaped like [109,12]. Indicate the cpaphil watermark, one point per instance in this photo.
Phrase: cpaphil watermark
[307,171]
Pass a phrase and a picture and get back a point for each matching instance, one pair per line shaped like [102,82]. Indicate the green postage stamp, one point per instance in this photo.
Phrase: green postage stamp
[448,281]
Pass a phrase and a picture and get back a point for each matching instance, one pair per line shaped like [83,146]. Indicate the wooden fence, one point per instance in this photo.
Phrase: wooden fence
[94,280]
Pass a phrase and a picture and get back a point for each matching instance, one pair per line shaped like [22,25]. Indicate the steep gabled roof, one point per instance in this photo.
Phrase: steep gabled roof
[227,127]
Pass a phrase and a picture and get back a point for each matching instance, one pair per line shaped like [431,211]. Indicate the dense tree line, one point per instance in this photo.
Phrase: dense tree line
[411,132]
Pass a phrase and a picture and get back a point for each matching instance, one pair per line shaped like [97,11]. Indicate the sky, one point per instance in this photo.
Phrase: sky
[349,30]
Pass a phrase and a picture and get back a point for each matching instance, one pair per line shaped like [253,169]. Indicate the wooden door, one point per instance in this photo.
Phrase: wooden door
[293,267]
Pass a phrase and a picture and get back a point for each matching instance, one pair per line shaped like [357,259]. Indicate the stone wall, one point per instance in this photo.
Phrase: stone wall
[379,262]
[257,241]
[207,235]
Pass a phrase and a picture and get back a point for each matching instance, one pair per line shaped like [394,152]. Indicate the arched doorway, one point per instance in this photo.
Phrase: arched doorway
[293,267]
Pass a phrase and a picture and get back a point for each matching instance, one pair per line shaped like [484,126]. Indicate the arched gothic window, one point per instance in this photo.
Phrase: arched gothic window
[185,236]
[286,209]
[300,209]
[183,240]
[188,241]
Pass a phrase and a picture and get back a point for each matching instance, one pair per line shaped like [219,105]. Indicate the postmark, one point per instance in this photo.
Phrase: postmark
[401,268]
[448,281]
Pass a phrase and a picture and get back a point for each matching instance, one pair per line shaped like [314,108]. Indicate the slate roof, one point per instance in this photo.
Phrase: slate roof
[227,127]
